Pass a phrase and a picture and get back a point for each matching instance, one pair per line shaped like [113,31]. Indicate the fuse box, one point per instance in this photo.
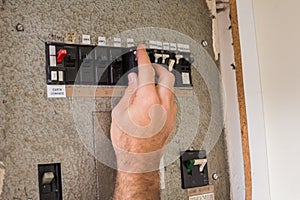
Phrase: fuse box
[74,64]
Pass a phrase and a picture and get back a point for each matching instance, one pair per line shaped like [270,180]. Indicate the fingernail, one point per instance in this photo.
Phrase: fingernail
[141,46]
[131,79]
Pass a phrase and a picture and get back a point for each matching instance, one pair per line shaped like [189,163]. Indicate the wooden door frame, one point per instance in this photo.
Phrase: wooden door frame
[241,100]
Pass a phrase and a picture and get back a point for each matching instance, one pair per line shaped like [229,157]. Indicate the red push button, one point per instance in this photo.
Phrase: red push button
[61,54]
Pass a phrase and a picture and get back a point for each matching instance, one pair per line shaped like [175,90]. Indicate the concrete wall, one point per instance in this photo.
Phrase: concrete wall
[36,130]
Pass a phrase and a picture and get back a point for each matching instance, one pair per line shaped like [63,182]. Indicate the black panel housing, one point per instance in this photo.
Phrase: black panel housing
[105,65]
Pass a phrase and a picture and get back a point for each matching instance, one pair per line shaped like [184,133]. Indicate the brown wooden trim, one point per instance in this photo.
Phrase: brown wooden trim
[241,99]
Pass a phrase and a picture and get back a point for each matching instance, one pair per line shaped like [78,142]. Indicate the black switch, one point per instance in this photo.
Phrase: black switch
[193,174]
[86,61]
[85,53]
[101,53]
[49,177]
[101,73]
[71,64]
[129,61]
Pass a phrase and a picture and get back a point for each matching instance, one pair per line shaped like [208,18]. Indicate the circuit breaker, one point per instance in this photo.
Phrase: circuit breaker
[50,185]
[74,64]
[194,171]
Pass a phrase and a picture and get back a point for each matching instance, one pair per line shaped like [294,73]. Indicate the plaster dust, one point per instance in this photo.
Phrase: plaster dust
[37,130]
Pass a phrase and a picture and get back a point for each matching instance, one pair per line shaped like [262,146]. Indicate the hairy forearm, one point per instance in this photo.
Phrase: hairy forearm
[137,186]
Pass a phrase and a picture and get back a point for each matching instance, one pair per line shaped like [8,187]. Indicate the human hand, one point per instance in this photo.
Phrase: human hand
[144,119]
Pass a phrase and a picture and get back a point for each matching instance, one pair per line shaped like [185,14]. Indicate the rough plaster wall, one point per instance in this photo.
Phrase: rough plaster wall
[36,130]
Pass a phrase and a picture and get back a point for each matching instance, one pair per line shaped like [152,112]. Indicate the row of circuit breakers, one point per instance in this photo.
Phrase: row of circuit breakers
[74,64]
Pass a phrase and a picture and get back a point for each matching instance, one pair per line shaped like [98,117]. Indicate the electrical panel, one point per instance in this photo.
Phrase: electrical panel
[74,64]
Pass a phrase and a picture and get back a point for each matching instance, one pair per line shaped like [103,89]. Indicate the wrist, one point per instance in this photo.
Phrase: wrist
[131,162]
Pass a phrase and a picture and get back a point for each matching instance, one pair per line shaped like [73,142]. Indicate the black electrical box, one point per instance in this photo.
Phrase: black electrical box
[193,175]
[50,185]
[74,64]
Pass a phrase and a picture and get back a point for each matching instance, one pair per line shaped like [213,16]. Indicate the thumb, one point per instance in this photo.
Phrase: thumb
[130,90]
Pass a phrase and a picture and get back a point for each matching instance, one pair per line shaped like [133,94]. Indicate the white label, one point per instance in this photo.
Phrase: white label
[52,50]
[101,41]
[186,47]
[185,78]
[130,42]
[159,44]
[52,61]
[209,196]
[183,47]
[173,46]
[56,91]
[166,46]
[152,44]
[60,76]
[180,47]
[70,37]
[53,75]
[117,42]
[86,39]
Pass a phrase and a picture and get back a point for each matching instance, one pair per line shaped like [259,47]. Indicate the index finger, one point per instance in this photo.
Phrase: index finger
[146,73]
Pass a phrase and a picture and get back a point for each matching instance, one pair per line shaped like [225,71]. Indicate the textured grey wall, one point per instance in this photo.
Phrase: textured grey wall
[36,130]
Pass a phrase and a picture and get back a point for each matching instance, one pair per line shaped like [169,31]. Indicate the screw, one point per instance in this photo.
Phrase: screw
[204,43]
[19,27]
[215,176]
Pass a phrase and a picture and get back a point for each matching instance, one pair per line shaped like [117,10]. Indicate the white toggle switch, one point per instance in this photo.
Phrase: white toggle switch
[201,162]
[178,57]
[53,75]
[164,57]
[157,56]
[60,76]
[47,178]
[171,64]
